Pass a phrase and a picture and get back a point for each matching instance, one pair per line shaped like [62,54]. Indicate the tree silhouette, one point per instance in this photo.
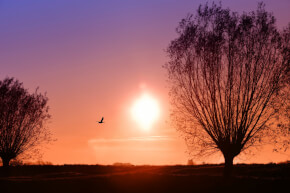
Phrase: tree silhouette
[225,73]
[22,118]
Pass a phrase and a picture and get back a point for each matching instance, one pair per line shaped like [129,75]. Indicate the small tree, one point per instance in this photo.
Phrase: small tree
[22,118]
[225,72]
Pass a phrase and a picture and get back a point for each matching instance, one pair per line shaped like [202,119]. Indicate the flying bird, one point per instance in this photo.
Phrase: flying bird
[101,120]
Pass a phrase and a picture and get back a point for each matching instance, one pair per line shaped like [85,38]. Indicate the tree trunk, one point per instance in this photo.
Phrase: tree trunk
[228,168]
[6,162]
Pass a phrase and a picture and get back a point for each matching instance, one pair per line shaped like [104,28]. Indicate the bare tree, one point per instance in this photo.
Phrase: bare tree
[22,118]
[225,71]
[283,99]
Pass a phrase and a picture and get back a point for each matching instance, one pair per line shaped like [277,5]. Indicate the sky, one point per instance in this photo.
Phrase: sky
[94,59]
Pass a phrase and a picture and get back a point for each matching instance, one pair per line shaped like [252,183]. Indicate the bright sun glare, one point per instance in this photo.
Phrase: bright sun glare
[145,111]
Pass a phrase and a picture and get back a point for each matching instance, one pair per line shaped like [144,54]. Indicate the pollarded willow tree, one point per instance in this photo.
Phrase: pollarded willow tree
[22,120]
[225,73]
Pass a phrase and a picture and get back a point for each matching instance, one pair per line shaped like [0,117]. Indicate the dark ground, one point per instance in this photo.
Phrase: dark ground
[149,179]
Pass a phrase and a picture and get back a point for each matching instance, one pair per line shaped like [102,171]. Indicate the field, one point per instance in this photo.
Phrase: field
[96,178]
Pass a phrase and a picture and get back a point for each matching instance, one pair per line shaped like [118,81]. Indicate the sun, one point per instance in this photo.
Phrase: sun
[145,111]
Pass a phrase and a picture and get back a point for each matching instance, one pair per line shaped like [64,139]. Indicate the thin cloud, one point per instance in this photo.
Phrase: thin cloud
[137,139]
[156,149]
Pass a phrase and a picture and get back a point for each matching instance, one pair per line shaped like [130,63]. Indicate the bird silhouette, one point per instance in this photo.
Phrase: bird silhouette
[101,120]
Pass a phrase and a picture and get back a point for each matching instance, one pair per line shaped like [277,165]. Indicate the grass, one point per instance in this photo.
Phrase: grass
[96,178]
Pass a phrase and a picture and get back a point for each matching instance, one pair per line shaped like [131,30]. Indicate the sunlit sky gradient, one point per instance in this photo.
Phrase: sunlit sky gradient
[94,59]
